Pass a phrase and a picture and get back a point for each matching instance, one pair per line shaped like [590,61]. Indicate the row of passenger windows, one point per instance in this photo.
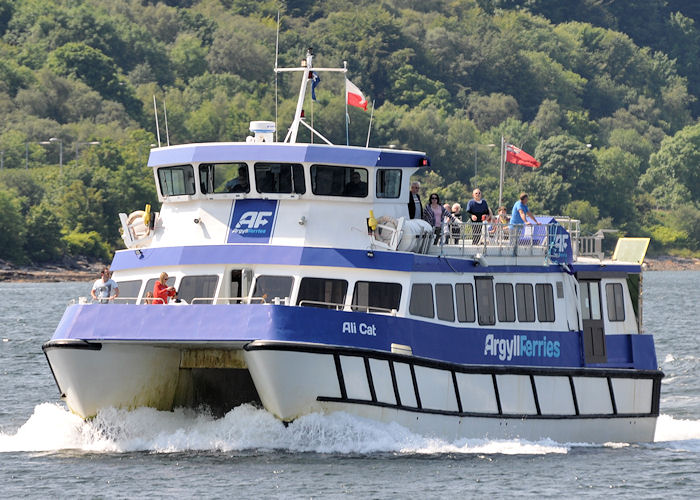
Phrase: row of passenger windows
[523,301]
[191,287]
[326,180]
[460,300]
[330,293]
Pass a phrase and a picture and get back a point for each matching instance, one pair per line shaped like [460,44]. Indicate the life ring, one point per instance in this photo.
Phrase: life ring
[133,216]
[137,226]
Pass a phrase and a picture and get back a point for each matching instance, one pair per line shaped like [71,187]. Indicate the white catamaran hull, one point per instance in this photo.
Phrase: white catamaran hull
[428,397]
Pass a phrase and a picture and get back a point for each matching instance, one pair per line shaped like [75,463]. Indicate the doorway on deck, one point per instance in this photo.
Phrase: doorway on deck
[594,349]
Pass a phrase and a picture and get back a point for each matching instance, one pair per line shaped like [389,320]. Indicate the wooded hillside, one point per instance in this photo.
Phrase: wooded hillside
[605,94]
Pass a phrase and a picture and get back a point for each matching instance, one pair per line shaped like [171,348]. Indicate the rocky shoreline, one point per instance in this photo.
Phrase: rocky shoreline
[78,271]
[84,271]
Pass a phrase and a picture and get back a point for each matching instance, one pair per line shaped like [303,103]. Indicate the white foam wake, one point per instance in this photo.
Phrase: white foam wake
[52,427]
[679,434]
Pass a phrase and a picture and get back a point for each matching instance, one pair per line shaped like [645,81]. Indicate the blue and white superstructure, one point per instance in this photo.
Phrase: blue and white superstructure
[303,289]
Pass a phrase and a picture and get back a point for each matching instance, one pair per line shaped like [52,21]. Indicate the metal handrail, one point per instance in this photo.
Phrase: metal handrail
[353,307]
[238,300]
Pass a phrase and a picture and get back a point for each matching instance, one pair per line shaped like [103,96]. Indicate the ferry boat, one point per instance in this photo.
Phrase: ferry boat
[303,286]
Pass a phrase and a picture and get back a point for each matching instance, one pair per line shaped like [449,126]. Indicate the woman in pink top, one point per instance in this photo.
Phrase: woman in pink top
[435,214]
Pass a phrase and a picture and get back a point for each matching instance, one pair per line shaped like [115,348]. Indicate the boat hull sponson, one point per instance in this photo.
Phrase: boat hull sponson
[429,397]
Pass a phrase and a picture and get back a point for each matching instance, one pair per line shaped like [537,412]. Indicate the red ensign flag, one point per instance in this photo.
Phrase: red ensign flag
[354,95]
[520,157]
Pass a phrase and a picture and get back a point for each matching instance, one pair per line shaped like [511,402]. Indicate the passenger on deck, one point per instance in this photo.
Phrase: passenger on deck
[456,227]
[479,212]
[520,212]
[240,184]
[498,227]
[477,208]
[435,214]
[518,217]
[103,287]
[415,208]
[161,291]
[148,298]
[356,187]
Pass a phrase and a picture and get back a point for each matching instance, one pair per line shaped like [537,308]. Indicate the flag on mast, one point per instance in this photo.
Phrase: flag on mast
[354,96]
[315,80]
[520,157]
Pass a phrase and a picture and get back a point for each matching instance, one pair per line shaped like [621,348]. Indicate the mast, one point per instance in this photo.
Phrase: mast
[503,168]
[306,68]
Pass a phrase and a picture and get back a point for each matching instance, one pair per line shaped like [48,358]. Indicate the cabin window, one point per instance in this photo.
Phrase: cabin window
[370,295]
[545,302]
[504,302]
[129,291]
[421,303]
[150,285]
[322,292]
[328,180]
[615,300]
[526,302]
[198,289]
[445,302]
[388,183]
[224,178]
[280,178]
[175,181]
[484,301]
[464,293]
[269,287]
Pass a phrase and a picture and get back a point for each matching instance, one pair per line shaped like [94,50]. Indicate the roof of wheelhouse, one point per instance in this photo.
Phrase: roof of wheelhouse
[284,152]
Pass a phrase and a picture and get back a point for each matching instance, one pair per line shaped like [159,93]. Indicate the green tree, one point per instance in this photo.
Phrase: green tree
[673,177]
[11,227]
[43,238]
[95,69]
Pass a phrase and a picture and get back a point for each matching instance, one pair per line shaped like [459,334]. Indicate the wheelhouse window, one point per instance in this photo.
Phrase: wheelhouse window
[526,302]
[445,302]
[175,181]
[369,295]
[615,301]
[464,293]
[280,178]
[215,178]
[421,303]
[128,291]
[198,289]
[269,287]
[545,302]
[329,180]
[504,302]
[484,301]
[322,292]
[388,183]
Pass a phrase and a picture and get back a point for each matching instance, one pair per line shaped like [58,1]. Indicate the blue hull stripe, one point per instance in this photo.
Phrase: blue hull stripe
[312,256]
[216,323]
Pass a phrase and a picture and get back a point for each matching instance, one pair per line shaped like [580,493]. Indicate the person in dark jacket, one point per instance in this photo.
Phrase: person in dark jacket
[415,207]
[479,213]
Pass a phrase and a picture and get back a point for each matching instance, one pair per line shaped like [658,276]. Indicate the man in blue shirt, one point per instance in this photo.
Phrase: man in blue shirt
[519,217]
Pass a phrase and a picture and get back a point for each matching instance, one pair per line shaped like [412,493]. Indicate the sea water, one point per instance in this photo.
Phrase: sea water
[46,451]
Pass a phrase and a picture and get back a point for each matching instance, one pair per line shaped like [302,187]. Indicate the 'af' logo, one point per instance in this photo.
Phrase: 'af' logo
[252,221]
[561,241]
